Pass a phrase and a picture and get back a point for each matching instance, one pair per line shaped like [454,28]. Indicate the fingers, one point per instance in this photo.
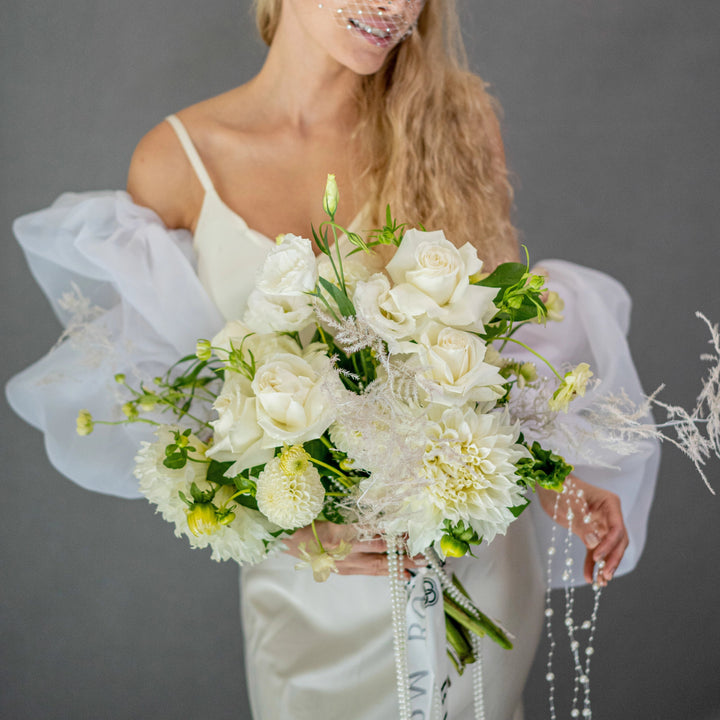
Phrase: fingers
[366,563]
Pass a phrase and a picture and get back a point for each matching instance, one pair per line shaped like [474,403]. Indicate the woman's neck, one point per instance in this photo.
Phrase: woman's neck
[302,87]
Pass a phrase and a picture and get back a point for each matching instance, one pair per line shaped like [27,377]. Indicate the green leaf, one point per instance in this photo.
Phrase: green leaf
[504,275]
[175,461]
[216,473]
[343,301]
[517,510]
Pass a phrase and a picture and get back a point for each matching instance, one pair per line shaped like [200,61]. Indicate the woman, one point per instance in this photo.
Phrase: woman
[398,122]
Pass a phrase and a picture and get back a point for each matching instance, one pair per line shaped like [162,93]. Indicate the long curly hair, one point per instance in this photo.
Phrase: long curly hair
[430,136]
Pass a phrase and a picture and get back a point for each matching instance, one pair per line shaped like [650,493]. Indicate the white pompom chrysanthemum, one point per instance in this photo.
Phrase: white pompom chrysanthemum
[289,491]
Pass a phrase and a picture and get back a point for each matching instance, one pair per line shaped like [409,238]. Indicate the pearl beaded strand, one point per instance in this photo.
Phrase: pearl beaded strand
[397,603]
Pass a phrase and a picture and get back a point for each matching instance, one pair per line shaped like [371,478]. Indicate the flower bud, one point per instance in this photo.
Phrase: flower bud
[452,547]
[130,411]
[555,306]
[202,519]
[330,201]
[148,401]
[84,424]
[120,378]
[526,373]
[203,350]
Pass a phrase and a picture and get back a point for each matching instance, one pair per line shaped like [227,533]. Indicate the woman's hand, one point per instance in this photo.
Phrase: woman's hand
[604,536]
[367,557]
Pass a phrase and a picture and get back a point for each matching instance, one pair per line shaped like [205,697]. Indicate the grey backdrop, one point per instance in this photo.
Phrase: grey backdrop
[611,133]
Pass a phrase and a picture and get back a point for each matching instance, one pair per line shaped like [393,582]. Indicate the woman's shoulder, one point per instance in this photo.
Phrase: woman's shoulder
[161,175]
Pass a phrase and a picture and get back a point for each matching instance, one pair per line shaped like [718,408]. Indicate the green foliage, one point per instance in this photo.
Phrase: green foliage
[545,468]
[176,453]
[518,298]
[339,296]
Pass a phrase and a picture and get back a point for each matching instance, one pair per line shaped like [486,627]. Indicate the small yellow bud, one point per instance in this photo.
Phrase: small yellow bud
[148,401]
[526,373]
[130,411]
[120,378]
[452,547]
[279,238]
[84,425]
[330,200]
[555,306]
[203,350]
[202,519]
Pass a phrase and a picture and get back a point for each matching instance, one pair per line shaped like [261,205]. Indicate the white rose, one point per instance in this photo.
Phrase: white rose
[431,277]
[237,435]
[377,307]
[278,313]
[293,402]
[453,361]
[354,270]
[237,334]
[289,269]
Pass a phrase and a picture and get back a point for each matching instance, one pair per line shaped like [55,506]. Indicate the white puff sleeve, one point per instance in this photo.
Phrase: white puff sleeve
[594,329]
[128,288]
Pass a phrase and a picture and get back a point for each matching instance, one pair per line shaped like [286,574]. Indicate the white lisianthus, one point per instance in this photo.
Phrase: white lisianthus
[289,268]
[376,306]
[237,334]
[289,491]
[469,466]
[237,436]
[573,384]
[278,313]
[293,401]
[243,540]
[453,361]
[431,277]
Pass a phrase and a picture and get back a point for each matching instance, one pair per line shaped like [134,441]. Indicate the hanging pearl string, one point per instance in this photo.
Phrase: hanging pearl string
[478,690]
[581,661]
[398,602]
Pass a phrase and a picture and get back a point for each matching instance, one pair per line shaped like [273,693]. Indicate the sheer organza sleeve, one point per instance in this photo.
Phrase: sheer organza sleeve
[125,288]
[594,329]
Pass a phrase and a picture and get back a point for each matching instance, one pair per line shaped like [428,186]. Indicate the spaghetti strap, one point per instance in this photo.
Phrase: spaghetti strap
[191,152]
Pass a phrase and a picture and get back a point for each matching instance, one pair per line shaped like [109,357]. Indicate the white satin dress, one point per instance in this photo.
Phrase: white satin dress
[313,651]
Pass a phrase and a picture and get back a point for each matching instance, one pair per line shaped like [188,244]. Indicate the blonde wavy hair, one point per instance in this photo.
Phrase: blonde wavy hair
[430,136]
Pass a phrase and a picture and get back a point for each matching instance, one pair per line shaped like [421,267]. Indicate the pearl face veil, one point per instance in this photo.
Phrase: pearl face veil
[384,23]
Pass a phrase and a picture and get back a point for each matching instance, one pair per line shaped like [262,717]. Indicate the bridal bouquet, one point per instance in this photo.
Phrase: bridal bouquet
[383,400]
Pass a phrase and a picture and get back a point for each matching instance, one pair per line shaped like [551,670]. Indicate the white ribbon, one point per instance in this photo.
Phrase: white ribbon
[428,679]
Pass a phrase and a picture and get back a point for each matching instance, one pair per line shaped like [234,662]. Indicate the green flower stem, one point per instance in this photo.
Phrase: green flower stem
[336,494]
[344,479]
[478,623]
[183,413]
[317,539]
[536,354]
[126,422]
[327,443]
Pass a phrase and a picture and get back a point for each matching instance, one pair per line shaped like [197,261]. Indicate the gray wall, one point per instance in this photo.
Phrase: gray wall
[611,132]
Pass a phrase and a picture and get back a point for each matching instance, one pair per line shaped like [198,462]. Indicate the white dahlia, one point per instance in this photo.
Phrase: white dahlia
[289,491]
[469,468]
